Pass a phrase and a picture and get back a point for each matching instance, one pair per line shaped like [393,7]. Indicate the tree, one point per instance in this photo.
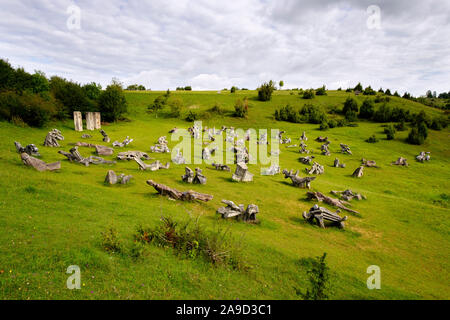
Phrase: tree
[358,87]
[93,90]
[319,279]
[265,91]
[321,91]
[158,104]
[233,89]
[367,109]
[350,104]
[112,102]
[241,108]
[390,132]
[308,94]
[281,84]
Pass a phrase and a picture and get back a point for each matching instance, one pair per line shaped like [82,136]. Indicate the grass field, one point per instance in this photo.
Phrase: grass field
[51,220]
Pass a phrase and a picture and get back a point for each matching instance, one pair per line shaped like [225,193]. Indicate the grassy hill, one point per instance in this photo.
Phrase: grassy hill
[51,220]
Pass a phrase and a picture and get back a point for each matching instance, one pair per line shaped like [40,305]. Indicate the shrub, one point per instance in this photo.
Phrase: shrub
[390,132]
[400,126]
[350,104]
[308,94]
[72,95]
[388,92]
[313,114]
[158,104]
[112,102]
[367,109]
[110,241]
[319,280]
[341,122]
[265,91]
[233,89]
[438,123]
[369,91]
[288,113]
[321,91]
[383,114]
[372,139]
[217,109]
[176,106]
[192,116]
[324,126]
[241,108]
[192,241]
[358,87]
[188,88]
[351,116]
[414,137]
[92,90]
[27,107]
[332,123]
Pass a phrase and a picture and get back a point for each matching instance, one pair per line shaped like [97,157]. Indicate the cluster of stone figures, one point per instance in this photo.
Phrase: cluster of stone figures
[30,157]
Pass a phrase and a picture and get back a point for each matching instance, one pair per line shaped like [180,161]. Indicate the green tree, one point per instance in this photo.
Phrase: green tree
[319,280]
[112,102]
[367,109]
[265,91]
[281,84]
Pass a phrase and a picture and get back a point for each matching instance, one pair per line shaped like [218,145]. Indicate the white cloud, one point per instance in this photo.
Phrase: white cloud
[216,44]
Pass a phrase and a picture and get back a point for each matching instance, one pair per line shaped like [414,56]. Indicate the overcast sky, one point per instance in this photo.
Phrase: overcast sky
[214,44]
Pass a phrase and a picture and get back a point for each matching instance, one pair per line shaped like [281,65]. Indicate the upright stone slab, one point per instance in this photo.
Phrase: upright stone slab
[78,121]
[97,120]
[90,122]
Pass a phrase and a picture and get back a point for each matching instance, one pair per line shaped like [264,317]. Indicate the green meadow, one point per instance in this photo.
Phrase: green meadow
[51,220]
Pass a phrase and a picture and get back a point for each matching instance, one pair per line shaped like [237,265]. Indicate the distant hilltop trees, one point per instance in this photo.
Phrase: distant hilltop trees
[136,87]
[187,88]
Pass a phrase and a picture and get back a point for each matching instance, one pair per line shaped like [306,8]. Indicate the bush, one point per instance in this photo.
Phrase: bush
[217,109]
[72,95]
[288,113]
[110,241]
[192,241]
[233,89]
[414,137]
[400,126]
[265,91]
[324,126]
[351,116]
[308,94]
[313,114]
[176,106]
[369,91]
[438,123]
[367,109]
[319,280]
[350,104]
[321,91]
[192,116]
[358,87]
[27,107]
[390,132]
[112,102]
[372,139]
[332,123]
[241,108]
[383,114]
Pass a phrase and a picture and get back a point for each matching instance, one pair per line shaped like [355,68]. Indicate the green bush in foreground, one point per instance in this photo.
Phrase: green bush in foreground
[319,279]
[372,139]
[191,240]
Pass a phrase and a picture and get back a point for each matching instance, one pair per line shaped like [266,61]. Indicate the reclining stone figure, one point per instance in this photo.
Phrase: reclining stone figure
[242,174]
[125,142]
[423,156]
[130,155]
[345,149]
[189,195]
[221,167]
[320,214]
[30,149]
[105,136]
[38,164]
[297,181]
[337,164]
[151,167]
[112,178]
[233,211]
[315,169]
[306,160]
[75,156]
